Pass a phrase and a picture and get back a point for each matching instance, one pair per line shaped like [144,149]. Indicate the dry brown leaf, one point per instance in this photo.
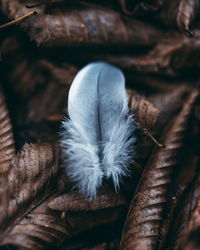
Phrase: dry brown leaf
[144,111]
[43,227]
[141,7]
[168,104]
[75,201]
[187,222]
[151,84]
[174,54]
[7,151]
[185,207]
[31,68]
[191,237]
[157,60]
[33,84]
[32,170]
[81,26]
[7,147]
[43,105]
[38,229]
[146,215]
[181,13]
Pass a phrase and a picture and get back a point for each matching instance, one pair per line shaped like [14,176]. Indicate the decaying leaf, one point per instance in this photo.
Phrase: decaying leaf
[191,240]
[7,151]
[145,112]
[43,106]
[185,207]
[174,55]
[81,26]
[181,13]
[75,201]
[151,83]
[168,104]
[143,227]
[187,222]
[140,7]
[32,69]
[157,60]
[7,147]
[31,171]
[43,227]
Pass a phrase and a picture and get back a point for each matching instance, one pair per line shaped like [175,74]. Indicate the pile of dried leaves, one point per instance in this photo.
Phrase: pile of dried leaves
[156,43]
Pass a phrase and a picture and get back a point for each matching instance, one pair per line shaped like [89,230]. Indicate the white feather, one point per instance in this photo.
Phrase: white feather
[81,159]
[97,140]
[119,151]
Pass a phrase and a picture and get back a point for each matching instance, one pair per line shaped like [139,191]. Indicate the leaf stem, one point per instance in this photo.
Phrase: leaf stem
[153,138]
[146,131]
[19,19]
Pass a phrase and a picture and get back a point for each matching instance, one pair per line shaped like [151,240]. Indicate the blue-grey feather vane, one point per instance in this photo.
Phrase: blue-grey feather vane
[98,138]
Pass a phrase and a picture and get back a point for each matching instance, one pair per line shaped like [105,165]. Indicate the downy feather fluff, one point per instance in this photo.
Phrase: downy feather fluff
[97,139]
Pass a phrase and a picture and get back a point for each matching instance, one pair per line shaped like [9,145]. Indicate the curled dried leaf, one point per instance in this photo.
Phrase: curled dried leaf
[37,111]
[140,7]
[39,228]
[169,104]
[173,55]
[185,207]
[151,83]
[32,170]
[7,147]
[181,13]
[187,222]
[148,211]
[43,105]
[75,201]
[158,60]
[187,12]
[144,111]
[42,227]
[191,239]
[81,221]
[31,68]
[82,26]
